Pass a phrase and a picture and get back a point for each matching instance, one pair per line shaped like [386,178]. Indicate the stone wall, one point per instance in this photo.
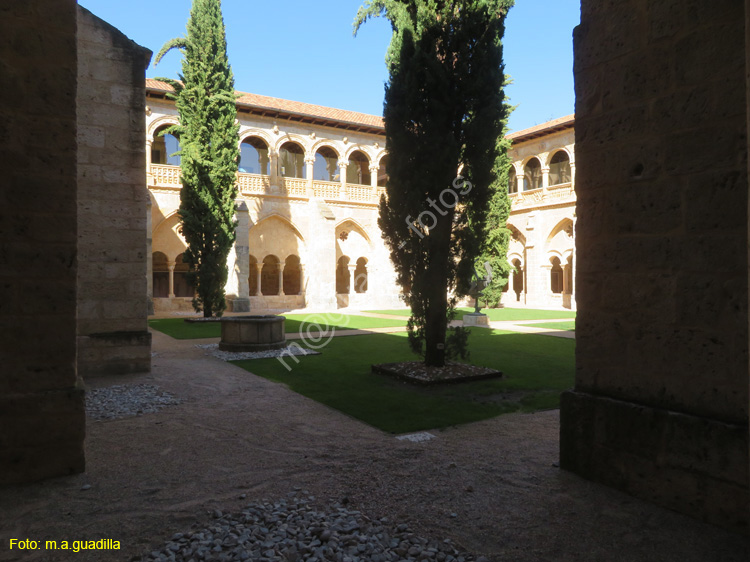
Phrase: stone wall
[112,209]
[42,422]
[660,406]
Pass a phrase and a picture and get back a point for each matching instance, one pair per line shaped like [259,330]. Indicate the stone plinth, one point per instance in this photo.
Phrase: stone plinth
[252,333]
[476,319]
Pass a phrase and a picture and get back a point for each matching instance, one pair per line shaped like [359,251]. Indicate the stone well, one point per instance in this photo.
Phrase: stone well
[252,333]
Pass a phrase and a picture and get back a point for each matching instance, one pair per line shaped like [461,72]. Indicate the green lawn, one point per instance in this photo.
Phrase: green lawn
[555,325]
[500,314]
[536,370]
[181,330]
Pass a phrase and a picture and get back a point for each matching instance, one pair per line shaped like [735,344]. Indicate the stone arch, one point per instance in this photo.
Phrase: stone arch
[358,167]
[166,237]
[254,156]
[532,173]
[292,275]
[291,158]
[246,132]
[354,224]
[158,123]
[326,162]
[383,170]
[295,138]
[560,239]
[320,143]
[276,235]
[360,276]
[559,167]
[164,146]
[269,275]
[343,280]
[555,275]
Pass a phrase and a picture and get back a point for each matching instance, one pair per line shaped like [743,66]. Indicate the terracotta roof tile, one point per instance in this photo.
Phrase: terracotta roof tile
[539,130]
[293,107]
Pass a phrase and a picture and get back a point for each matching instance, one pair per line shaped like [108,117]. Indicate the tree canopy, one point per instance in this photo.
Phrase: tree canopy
[444,112]
[209,142]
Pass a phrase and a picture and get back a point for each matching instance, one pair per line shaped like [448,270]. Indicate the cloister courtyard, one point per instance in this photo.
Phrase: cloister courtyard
[492,487]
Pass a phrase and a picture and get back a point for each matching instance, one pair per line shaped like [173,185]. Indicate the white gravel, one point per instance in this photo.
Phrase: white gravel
[213,349]
[294,529]
[123,401]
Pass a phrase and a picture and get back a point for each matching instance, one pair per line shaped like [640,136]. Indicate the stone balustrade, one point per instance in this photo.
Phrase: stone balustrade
[552,195]
[166,176]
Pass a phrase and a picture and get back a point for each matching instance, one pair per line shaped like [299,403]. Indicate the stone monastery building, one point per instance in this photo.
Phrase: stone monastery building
[310,179]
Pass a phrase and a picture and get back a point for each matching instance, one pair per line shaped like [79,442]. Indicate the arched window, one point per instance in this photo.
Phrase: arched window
[292,284]
[559,168]
[383,171]
[532,175]
[556,276]
[252,278]
[360,276]
[342,276]
[291,161]
[512,180]
[164,146]
[253,156]
[160,272]
[269,276]
[326,167]
[358,170]
[182,287]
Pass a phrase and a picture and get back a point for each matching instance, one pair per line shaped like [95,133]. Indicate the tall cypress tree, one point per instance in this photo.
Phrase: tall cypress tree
[444,111]
[209,143]
[497,235]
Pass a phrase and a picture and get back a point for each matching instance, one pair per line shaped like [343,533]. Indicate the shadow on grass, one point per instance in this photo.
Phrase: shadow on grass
[537,369]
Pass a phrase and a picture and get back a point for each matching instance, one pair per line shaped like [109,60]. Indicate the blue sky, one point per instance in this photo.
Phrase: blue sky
[304,51]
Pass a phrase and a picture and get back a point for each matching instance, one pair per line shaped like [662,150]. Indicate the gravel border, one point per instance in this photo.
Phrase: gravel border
[124,401]
[213,349]
[295,529]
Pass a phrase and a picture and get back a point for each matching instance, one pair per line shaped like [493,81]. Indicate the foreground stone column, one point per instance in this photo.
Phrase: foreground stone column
[660,405]
[42,419]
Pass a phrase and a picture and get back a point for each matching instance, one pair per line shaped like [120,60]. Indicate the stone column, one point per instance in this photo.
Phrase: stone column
[573,176]
[258,270]
[310,169]
[171,265]
[545,177]
[238,288]
[281,279]
[343,192]
[352,267]
[519,182]
[274,171]
[301,279]
[374,175]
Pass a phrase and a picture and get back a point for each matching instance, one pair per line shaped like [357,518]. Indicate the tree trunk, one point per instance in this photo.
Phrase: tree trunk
[435,315]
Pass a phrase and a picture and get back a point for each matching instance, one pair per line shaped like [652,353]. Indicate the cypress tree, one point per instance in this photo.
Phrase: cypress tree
[209,144]
[497,235]
[444,111]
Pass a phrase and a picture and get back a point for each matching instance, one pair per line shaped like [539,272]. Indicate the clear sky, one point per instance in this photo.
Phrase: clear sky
[304,50]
